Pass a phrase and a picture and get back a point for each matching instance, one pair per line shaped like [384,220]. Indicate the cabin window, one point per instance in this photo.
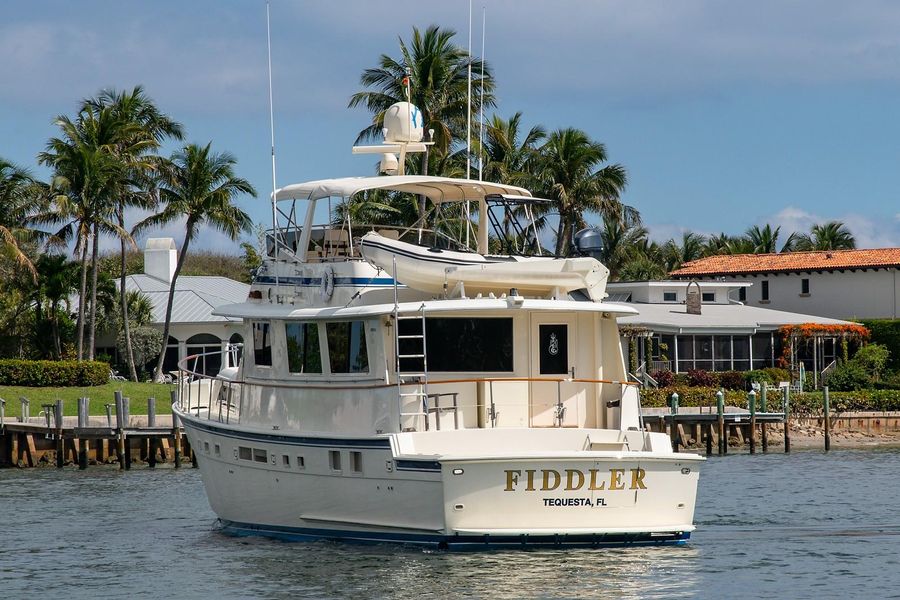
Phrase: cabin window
[286,460]
[670,297]
[459,345]
[245,453]
[347,346]
[303,347]
[709,296]
[334,459]
[804,286]
[260,455]
[356,462]
[301,462]
[262,344]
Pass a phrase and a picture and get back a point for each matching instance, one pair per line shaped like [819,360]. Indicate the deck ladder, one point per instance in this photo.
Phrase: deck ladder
[416,353]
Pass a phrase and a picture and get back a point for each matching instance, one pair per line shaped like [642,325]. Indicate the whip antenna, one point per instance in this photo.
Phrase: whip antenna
[272,129]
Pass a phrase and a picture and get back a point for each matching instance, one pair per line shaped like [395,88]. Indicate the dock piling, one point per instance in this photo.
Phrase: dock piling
[151,422]
[826,400]
[720,410]
[120,428]
[674,429]
[83,423]
[176,432]
[60,441]
[786,402]
[751,402]
[24,414]
[763,427]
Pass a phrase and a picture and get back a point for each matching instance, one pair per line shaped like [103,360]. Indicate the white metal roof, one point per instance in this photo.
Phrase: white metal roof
[437,189]
[196,297]
[265,310]
[717,318]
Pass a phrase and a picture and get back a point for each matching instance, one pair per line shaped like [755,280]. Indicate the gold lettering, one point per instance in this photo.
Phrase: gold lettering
[512,480]
[615,479]
[571,476]
[637,479]
[556,479]
[530,473]
[594,485]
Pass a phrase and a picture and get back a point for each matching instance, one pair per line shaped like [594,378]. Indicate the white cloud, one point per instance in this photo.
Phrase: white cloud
[869,232]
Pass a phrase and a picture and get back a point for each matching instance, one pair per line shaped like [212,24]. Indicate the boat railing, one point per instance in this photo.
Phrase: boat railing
[485,402]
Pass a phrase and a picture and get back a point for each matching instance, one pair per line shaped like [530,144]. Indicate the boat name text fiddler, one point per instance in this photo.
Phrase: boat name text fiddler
[545,480]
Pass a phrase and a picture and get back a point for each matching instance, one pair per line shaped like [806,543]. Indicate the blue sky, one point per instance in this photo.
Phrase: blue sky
[726,114]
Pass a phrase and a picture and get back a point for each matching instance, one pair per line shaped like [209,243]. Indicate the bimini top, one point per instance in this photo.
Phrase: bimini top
[437,189]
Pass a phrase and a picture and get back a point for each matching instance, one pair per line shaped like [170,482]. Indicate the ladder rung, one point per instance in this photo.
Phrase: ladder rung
[410,337]
[408,317]
[410,356]
[417,394]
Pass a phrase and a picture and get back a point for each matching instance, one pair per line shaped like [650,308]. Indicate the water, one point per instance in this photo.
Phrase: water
[807,525]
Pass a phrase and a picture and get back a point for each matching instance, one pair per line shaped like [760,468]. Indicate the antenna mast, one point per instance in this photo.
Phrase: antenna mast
[481,101]
[272,128]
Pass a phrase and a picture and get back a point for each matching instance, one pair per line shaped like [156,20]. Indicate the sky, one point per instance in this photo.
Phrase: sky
[726,114]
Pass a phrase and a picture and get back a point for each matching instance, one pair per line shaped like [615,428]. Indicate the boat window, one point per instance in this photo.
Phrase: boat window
[347,346]
[459,344]
[303,347]
[245,453]
[262,344]
[260,455]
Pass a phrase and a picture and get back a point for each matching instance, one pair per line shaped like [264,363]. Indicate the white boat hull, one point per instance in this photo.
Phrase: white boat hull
[577,498]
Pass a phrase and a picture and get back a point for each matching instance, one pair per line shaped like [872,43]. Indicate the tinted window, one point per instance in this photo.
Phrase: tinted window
[709,296]
[669,296]
[742,294]
[765,290]
[804,286]
[347,347]
[460,345]
[262,344]
[303,347]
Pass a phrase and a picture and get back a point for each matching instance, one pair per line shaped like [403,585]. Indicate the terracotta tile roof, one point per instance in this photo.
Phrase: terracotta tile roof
[790,261]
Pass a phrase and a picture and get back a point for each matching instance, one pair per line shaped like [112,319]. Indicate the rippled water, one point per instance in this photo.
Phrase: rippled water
[807,525]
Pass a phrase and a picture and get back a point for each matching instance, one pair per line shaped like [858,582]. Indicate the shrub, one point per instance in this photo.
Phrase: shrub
[776,374]
[732,380]
[759,376]
[701,378]
[681,379]
[873,359]
[871,400]
[664,378]
[847,377]
[51,373]
[146,344]
[704,396]
[886,332]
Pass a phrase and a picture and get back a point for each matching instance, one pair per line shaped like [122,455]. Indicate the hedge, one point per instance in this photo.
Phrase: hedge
[806,403]
[887,332]
[51,373]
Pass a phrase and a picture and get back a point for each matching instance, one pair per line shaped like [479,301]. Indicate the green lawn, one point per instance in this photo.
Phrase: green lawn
[100,395]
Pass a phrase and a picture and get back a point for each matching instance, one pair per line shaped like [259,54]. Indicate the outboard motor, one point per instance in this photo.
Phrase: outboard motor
[589,242]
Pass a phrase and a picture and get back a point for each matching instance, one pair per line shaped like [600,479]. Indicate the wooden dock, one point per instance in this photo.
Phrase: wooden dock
[82,440]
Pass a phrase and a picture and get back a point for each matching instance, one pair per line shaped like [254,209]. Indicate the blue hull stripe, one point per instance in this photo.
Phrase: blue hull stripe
[369,443]
[455,542]
[317,281]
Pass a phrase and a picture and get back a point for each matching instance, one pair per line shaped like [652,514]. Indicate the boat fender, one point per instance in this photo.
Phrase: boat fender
[326,288]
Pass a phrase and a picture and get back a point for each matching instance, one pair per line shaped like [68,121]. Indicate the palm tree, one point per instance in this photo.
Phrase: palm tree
[570,176]
[507,158]
[19,200]
[149,127]
[622,246]
[199,186]
[690,248]
[832,235]
[438,79]
[58,278]
[87,174]
[764,240]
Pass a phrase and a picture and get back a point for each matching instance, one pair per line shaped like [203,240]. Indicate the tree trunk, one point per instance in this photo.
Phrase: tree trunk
[93,324]
[123,298]
[562,234]
[157,374]
[54,325]
[82,298]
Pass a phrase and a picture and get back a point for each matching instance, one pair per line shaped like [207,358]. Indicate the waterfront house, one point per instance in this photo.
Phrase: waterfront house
[194,328]
[841,284]
[685,325]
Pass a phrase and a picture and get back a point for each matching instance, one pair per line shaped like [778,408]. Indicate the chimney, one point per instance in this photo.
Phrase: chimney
[160,258]
[693,298]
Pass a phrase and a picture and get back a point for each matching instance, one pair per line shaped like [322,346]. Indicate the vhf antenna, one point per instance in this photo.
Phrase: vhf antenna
[272,129]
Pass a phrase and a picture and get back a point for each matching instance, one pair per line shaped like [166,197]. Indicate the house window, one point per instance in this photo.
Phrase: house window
[303,347]
[804,286]
[709,296]
[765,289]
[742,294]
[347,347]
[669,297]
[262,344]
[207,350]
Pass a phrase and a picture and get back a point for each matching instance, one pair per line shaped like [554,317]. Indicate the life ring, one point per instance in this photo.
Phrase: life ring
[326,287]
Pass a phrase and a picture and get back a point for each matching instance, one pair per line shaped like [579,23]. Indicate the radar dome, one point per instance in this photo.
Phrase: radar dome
[403,123]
